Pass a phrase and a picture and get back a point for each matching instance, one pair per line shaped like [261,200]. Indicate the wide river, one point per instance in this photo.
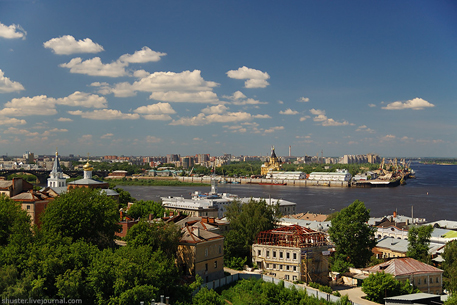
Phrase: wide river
[433,194]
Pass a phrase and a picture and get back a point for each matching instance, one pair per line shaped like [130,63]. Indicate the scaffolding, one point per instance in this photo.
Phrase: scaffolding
[292,236]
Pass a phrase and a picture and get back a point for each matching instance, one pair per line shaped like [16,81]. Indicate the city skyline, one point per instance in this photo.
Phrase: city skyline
[154,78]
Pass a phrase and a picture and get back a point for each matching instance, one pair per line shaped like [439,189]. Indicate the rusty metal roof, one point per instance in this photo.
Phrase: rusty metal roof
[292,236]
[403,266]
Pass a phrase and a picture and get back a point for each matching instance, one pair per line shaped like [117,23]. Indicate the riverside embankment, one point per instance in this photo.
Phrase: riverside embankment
[261,181]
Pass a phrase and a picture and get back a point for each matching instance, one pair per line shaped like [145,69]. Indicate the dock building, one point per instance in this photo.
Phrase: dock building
[339,175]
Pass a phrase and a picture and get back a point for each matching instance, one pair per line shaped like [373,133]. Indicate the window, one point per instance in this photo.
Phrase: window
[286,277]
[294,278]
[28,207]
[280,255]
[295,268]
[267,266]
[215,264]
[259,252]
[206,267]
[437,280]
[431,280]
[268,253]
[274,266]
[220,249]
[295,256]
[418,281]
[274,254]
[206,252]
[288,255]
[280,267]
[425,281]
[287,267]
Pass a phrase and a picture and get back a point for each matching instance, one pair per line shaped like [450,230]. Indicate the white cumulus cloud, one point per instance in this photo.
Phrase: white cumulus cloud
[273,129]
[17,131]
[156,112]
[11,121]
[107,136]
[64,120]
[7,85]
[288,112]
[206,97]
[415,104]
[12,31]
[105,114]
[83,99]
[215,109]
[303,99]
[95,67]
[142,56]
[67,44]
[211,117]
[254,78]
[27,106]
[324,120]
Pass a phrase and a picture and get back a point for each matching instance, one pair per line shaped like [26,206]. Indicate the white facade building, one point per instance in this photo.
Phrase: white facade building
[339,175]
[286,175]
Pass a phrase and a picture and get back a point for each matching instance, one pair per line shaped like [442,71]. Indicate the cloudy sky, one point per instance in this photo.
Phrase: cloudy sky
[157,77]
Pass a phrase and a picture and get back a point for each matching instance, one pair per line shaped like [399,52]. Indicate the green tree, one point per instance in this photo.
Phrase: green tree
[142,209]
[452,300]
[129,274]
[246,221]
[82,214]
[419,243]
[207,297]
[381,285]
[450,266]
[15,233]
[158,235]
[352,236]
[14,222]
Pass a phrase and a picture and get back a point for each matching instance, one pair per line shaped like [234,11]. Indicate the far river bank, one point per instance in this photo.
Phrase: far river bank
[433,194]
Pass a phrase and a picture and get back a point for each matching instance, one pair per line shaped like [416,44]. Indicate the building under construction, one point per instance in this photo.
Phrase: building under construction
[293,253]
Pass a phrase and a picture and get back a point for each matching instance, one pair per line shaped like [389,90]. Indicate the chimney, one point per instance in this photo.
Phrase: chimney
[197,232]
[161,298]
[395,213]
[167,300]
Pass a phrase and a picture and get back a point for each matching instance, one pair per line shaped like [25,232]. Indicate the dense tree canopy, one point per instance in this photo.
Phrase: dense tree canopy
[82,214]
[14,222]
[246,221]
[158,235]
[142,209]
[450,266]
[419,243]
[352,236]
[381,285]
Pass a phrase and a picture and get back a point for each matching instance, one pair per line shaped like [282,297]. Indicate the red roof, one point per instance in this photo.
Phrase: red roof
[403,266]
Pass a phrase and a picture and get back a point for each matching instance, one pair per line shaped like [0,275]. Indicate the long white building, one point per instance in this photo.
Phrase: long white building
[339,175]
[215,204]
[286,175]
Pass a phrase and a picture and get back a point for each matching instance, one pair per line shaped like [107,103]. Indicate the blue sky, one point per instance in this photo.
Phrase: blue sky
[157,77]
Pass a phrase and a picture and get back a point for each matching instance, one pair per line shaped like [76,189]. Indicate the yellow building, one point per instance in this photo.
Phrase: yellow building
[272,165]
[201,252]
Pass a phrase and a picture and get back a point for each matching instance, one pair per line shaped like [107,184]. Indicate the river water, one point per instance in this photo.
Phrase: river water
[433,194]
